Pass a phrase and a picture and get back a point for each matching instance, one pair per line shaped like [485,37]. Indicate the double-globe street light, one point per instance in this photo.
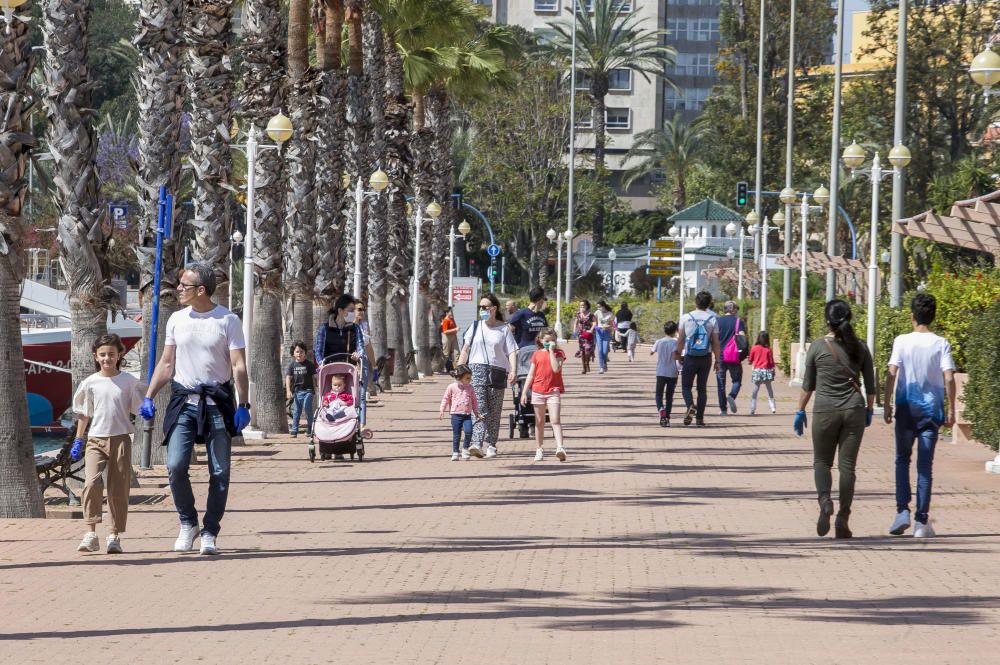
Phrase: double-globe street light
[985,67]
[463,230]
[854,157]
[677,234]
[378,181]
[559,238]
[821,196]
[433,210]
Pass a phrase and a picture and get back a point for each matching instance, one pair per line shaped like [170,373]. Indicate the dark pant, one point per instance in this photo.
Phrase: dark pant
[735,371]
[926,436]
[837,433]
[696,367]
[460,422]
[665,386]
[218,445]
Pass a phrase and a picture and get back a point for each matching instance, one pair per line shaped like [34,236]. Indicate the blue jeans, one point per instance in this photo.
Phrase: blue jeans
[461,422]
[218,444]
[926,436]
[603,347]
[735,371]
[302,401]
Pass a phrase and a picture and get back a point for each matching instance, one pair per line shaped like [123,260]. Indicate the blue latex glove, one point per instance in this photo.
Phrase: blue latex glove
[148,409]
[241,418]
[800,422]
[868,417]
[76,452]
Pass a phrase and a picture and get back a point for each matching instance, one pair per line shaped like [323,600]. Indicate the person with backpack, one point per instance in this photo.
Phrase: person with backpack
[841,411]
[922,376]
[733,342]
[698,349]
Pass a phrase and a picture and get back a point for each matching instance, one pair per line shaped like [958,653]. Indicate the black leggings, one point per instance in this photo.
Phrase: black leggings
[665,387]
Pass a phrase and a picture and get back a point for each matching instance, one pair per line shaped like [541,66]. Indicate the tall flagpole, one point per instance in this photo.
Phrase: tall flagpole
[571,199]
[898,183]
[831,227]
[786,287]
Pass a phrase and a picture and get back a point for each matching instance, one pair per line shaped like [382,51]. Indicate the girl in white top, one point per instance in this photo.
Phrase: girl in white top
[491,352]
[104,401]
[605,324]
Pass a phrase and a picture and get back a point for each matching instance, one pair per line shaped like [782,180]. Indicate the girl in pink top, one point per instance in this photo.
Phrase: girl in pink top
[460,401]
[762,361]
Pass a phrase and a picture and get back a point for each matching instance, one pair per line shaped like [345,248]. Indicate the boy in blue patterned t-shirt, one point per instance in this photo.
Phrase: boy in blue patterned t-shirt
[923,374]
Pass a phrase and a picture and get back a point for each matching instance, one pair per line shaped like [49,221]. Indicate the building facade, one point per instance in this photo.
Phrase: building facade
[693,31]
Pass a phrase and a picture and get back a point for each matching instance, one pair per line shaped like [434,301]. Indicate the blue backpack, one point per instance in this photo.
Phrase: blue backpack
[699,342]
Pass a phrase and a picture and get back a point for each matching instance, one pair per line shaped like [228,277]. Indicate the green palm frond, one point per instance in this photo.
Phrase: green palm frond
[670,151]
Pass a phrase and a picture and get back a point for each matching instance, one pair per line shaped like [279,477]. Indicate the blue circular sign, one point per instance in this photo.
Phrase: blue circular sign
[493,250]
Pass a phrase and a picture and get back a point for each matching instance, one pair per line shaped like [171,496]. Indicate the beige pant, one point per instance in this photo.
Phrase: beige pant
[114,454]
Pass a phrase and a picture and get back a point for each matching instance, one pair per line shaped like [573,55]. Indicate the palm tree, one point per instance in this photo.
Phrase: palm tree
[300,204]
[207,37]
[355,113]
[262,97]
[672,150]
[73,144]
[160,77]
[19,493]
[330,140]
[606,40]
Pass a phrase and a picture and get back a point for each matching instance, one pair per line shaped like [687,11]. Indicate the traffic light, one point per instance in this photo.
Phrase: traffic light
[456,199]
[741,193]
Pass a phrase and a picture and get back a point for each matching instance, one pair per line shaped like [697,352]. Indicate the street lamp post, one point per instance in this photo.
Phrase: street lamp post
[786,286]
[237,241]
[731,231]
[463,230]
[854,157]
[378,182]
[676,234]
[612,255]
[559,239]
[821,196]
[279,129]
[433,211]
[751,218]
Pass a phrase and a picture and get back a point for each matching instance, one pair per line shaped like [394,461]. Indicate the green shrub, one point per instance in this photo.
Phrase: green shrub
[961,297]
[982,352]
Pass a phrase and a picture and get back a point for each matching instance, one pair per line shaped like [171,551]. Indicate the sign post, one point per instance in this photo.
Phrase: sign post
[164,216]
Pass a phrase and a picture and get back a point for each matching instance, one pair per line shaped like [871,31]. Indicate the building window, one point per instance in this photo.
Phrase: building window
[623,6]
[585,121]
[677,28]
[705,3]
[546,6]
[620,80]
[692,64]
[545,36]
[582,80]
[618,118]
[686,99]
[703,30]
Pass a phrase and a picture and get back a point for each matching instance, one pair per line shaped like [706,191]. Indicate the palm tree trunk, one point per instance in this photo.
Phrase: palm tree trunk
[680,192]
[160,77]
[357,119]
[398,161]
[263,96]
[439,168]
[330,139]
[73,144]
[208,37]
[377,232]
[422,139]
[598,91]
[300,204]
[19,492]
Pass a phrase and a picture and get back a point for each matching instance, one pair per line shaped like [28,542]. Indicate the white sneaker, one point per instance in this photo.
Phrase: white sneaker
[454,457]
[185,539]
[89,543]
[601,371]
[539,455]
[732,403]
[208,544]
[476,451]
[923,530]
[722,413]
[465,454]
[561,454]
[901,523]
[114,544]
[491,452]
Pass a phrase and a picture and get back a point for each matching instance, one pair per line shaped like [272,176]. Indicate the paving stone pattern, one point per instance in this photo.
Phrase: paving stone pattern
[646,546]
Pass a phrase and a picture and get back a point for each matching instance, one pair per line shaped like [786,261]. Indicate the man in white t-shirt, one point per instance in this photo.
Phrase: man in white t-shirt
[923,374]
[698,349]
[203,351]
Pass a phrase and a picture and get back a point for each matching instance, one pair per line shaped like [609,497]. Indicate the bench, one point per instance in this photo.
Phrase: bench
[55,468]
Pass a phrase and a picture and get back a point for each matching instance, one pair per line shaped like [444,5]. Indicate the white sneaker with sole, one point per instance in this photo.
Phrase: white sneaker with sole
[476,451]
[465,454]
[539,455]
[923,530]
[185,539]
[561,454]
[491,452]
[454,457]
[208,545]
[901,523]
[89,543]
[732,403]
[114,544]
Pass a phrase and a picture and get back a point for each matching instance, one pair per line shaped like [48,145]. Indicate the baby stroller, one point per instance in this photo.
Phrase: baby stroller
[523,418]
[620,337]
[345,434]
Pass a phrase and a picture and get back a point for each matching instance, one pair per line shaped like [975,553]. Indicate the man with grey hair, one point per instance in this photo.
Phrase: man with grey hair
[732,329]
[203,351]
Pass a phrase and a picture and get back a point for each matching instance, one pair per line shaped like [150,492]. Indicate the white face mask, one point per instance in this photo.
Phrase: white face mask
[350,317]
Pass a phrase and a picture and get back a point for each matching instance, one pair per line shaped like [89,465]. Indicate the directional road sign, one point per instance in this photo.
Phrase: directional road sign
[661,272]
[493,250]
[663,263]
[666,244]
[665,252]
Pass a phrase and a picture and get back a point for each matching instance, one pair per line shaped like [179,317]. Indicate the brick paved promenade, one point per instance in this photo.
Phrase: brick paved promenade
[647,546]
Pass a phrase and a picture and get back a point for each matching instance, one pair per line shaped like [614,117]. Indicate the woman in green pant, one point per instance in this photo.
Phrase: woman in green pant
[840,413]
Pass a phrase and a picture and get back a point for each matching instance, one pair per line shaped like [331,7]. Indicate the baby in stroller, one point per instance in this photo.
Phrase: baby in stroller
[336,401]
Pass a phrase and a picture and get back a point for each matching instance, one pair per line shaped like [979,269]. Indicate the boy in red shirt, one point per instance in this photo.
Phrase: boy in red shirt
[545,382]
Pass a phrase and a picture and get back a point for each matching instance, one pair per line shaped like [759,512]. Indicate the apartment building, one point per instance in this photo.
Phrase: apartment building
[693,31]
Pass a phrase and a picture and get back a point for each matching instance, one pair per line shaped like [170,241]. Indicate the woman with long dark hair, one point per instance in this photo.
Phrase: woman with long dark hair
[840,413]
[584,326]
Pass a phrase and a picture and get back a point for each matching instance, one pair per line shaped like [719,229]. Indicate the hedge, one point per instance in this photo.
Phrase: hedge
[982,351]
